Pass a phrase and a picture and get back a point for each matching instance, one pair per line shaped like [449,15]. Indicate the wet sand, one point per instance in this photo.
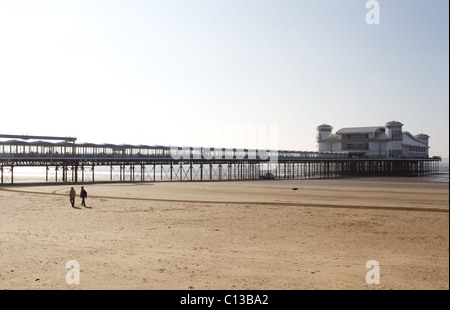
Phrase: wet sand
[228,235]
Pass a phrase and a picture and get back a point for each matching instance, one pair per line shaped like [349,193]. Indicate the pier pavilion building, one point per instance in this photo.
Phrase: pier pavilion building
[388,141]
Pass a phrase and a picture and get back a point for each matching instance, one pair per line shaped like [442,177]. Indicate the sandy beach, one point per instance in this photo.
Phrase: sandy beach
[228,235]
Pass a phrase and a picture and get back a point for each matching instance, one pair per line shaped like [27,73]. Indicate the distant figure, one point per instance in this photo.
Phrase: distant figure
[72,197]
[83,196]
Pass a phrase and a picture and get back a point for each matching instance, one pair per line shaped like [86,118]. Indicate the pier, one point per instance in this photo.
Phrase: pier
[69,162]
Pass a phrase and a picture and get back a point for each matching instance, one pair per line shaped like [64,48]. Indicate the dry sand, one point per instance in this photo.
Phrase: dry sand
[228,235]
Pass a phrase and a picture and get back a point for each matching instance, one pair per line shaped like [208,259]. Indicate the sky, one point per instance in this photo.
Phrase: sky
[223,73]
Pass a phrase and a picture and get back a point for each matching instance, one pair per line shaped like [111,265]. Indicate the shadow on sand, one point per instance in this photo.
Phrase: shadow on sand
[79,208]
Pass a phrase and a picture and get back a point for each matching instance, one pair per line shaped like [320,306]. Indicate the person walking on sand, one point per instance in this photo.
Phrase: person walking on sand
[72,195]
[83,196]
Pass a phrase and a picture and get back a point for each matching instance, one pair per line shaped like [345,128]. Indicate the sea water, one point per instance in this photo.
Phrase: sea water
[103,173]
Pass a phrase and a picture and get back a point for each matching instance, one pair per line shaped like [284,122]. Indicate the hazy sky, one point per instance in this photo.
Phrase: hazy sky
[179,72]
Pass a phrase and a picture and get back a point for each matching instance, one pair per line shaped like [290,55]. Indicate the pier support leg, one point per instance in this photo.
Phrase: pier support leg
[76,172]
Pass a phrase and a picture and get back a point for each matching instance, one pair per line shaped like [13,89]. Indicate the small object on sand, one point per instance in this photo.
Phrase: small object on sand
[295,189]
[37,279]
